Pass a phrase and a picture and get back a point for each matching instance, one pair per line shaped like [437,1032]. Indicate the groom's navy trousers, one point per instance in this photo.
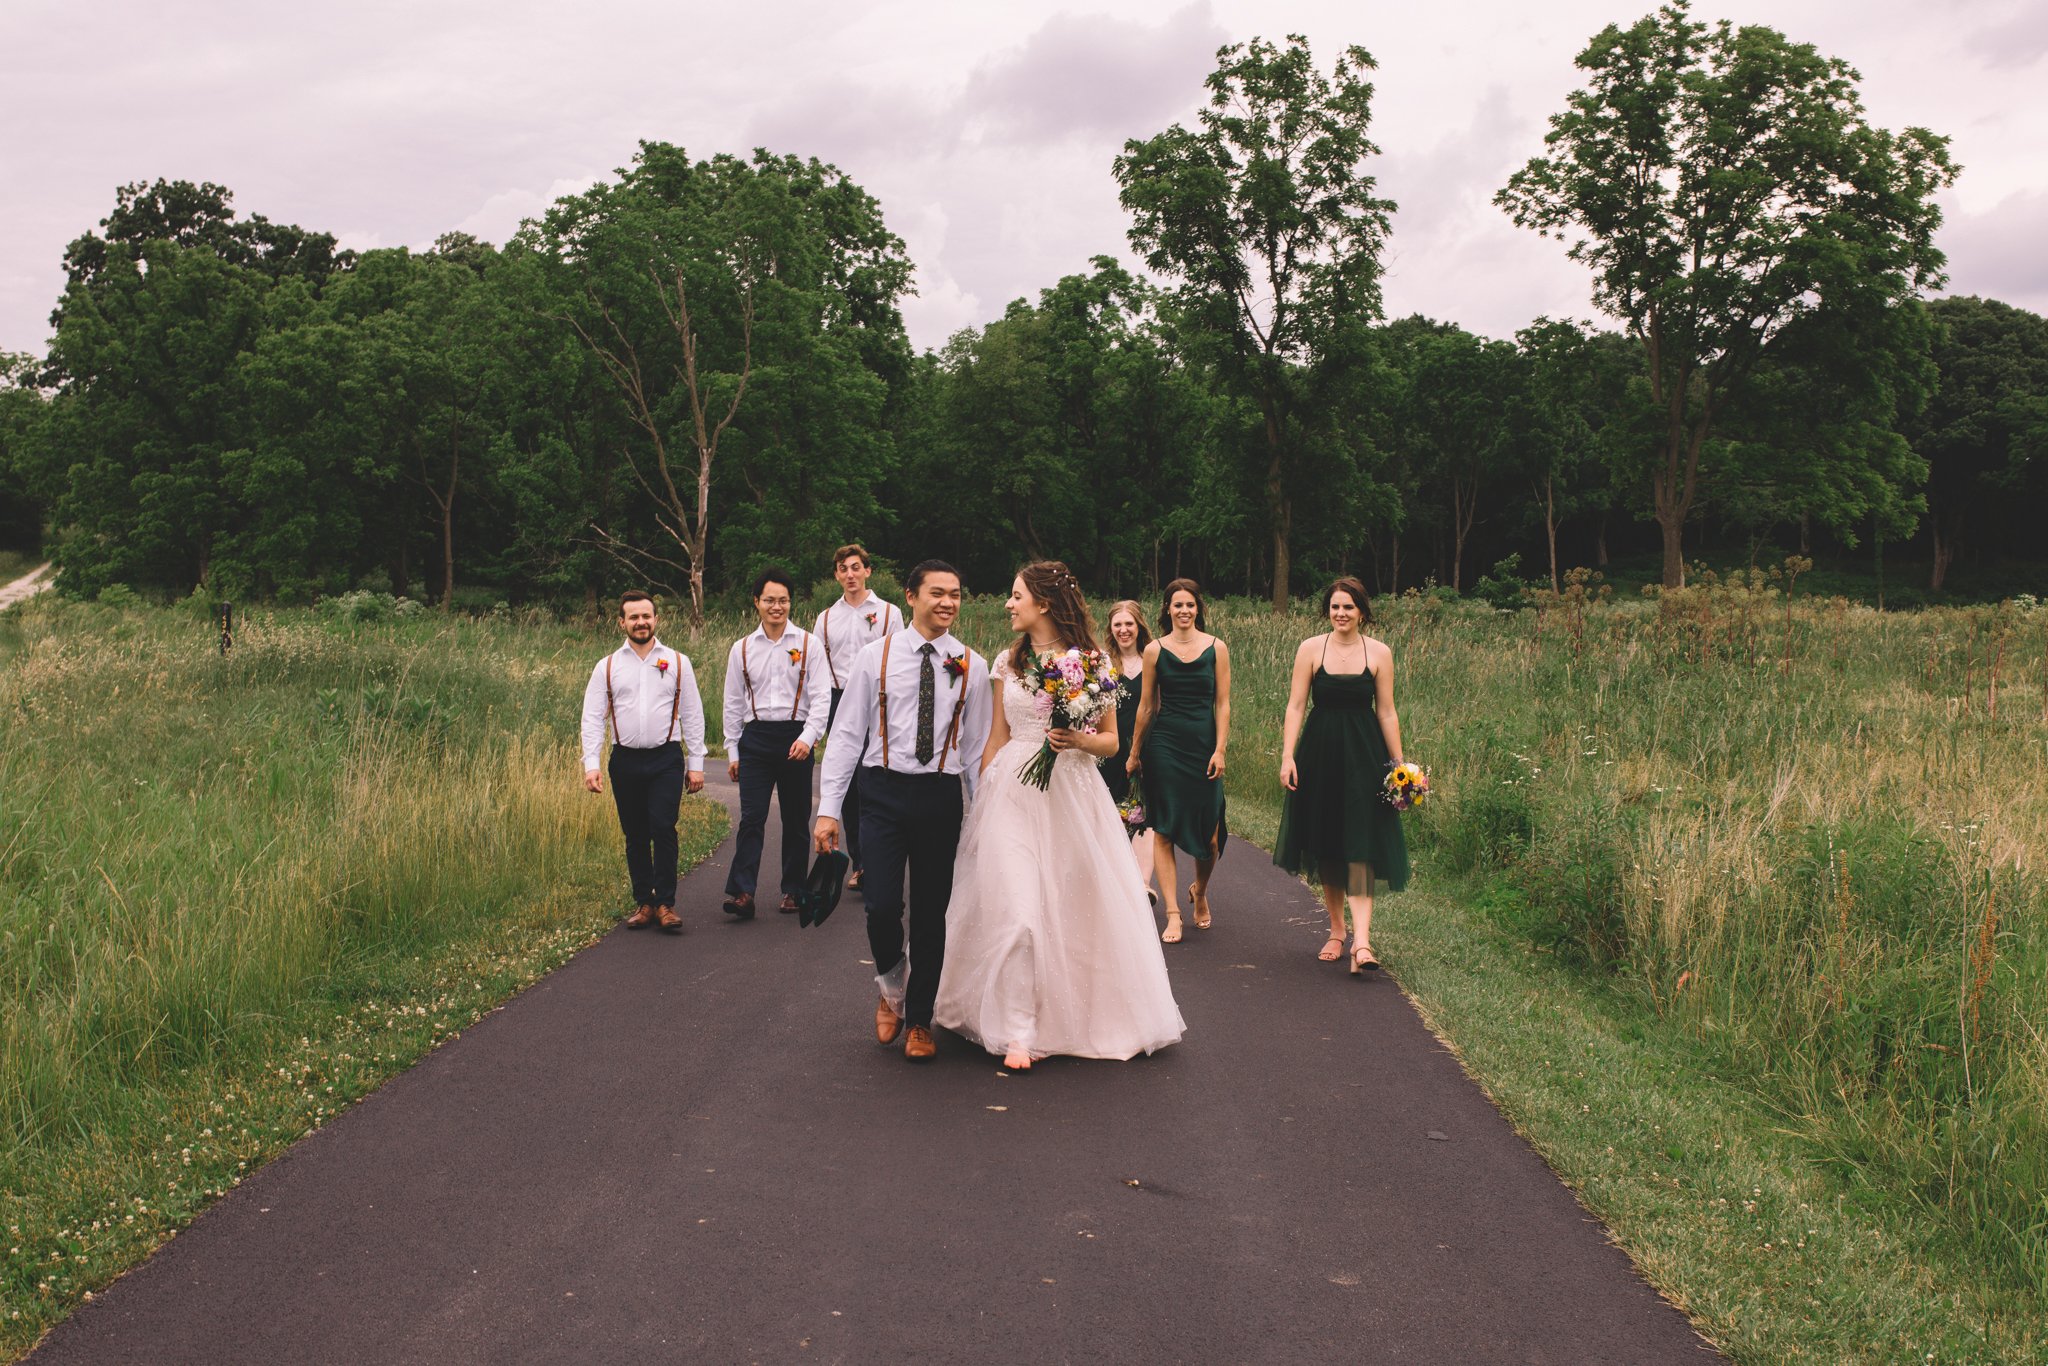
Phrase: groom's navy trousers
[909,819]
[647,786]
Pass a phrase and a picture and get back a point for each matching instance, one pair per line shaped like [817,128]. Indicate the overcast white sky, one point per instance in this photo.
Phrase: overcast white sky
[986,129]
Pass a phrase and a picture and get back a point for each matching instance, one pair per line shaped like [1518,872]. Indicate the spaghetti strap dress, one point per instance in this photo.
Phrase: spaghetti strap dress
[1114,772]
[1184,803]
[1337,812]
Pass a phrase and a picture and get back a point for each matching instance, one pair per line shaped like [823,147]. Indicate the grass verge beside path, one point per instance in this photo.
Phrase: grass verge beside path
[237,895]
[1775,1257]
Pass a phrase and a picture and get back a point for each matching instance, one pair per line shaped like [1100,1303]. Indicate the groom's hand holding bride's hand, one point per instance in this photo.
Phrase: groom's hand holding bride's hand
[825,835]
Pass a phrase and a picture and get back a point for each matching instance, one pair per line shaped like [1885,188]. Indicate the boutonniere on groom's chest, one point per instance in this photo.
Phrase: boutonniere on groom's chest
[796,655]
[660,665]
[956,666]
[871,618]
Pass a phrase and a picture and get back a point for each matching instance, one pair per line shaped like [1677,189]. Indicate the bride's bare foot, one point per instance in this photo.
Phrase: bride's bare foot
[1172,931]
[1017,1062]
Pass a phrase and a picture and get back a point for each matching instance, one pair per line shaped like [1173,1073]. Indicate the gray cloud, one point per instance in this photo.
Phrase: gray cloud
[1094,77]
[1997,253]
[2013,43]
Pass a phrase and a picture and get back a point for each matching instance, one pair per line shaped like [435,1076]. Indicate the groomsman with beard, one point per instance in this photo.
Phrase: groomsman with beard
[645,694]
[857,620]
[913,723]
[775,710]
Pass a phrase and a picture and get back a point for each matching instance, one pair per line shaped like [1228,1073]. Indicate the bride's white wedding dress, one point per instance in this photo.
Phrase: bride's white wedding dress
[1050,945]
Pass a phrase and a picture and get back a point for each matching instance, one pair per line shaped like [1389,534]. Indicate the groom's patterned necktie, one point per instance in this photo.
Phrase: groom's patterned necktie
[927,703]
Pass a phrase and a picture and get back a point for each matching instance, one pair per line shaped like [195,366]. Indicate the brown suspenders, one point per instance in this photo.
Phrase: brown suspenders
[825,634]
[882,708]
[803,671]
[675,705]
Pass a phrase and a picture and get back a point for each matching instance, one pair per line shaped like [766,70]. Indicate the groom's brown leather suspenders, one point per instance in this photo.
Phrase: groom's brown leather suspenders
[803,671]
[882,707]
[675,706]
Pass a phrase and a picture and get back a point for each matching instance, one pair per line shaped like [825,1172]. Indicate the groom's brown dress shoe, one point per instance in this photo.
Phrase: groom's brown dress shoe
[640,919]
[741,905]
[887,1022]
[789,906]
[666,917]
[918,1047]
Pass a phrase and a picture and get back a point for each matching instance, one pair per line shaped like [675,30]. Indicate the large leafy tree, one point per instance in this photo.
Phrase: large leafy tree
[1727,192]
[1265,216]
[1577,417]
[701,286]
[1984,431]
[21,417]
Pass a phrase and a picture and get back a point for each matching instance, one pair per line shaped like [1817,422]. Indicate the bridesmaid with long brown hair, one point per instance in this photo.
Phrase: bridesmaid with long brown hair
[1335,824]
[1127,641]
[1183,729]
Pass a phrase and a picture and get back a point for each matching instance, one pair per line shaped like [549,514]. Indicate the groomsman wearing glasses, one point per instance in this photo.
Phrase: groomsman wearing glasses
[775,710]
[645,695]
[851,624]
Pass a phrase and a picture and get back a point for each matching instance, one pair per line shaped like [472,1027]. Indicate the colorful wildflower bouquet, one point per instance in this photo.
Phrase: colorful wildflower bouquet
[1407,786]
[1072,691]
[1131,810]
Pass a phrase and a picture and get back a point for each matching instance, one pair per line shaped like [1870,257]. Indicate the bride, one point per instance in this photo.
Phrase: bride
[1049,942]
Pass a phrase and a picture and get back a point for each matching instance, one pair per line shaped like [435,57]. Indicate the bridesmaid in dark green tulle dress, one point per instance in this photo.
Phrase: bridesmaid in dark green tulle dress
[1335,823]
[1183,729]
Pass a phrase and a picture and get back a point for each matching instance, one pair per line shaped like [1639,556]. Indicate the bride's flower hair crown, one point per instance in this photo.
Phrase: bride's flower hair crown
[1053,586]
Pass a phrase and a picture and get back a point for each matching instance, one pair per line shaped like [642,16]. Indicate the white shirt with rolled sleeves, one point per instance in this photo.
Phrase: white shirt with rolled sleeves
[643,695]
[855,739]
[774,676]
[845,629]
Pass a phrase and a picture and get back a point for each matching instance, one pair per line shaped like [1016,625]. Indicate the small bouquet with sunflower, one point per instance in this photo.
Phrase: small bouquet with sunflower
[1407,785]
[1072,691]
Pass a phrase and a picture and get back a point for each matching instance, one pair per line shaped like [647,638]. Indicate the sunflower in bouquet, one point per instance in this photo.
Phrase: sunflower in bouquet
[1407,785]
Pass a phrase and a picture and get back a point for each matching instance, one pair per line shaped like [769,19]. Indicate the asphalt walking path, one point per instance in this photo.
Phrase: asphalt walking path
[691,1149]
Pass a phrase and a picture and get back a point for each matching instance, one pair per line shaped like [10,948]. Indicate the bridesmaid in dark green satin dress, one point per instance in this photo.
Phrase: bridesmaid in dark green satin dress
[1127,641]
[1335,823]
[1182,732]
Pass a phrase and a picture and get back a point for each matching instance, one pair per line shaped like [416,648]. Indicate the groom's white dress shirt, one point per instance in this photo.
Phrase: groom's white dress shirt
[643,698]
[856,739]
[844,629]
[766,666]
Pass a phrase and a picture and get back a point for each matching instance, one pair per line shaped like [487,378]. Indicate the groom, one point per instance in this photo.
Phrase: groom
[913,720]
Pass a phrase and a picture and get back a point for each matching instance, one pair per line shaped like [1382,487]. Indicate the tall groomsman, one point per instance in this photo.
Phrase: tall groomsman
[645,695]
[857,620]
[775,710]
[916,718]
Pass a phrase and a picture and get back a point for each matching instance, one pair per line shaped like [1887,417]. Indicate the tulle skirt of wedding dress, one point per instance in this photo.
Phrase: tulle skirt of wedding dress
[1050,942]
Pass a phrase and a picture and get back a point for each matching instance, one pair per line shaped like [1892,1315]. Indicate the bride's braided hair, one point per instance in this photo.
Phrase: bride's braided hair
[1053,586]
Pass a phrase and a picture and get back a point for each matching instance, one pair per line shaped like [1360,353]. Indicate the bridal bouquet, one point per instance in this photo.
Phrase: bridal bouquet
[1071,691]
[1407,785]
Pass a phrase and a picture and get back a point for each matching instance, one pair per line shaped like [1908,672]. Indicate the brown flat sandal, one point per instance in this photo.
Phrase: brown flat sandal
[1171,934]
[1333,949]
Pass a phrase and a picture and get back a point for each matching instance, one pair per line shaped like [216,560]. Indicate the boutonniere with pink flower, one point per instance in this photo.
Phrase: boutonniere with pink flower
[871,618]
[796,656]
[956,666]
[661,666]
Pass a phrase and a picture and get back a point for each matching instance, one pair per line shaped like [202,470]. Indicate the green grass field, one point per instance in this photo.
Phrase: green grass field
[1737,913]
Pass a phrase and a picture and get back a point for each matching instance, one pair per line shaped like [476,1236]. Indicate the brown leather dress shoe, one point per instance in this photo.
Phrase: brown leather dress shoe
[918,1046]
[641,918]
[666,917]
[788,906]
[741,905]
[887,1022]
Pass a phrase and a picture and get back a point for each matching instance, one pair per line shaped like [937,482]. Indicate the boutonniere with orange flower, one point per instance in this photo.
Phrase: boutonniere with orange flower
[956,666]
[661,666]
[796,656]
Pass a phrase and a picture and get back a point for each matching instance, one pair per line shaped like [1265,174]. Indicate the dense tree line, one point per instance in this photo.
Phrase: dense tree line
[701,365]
